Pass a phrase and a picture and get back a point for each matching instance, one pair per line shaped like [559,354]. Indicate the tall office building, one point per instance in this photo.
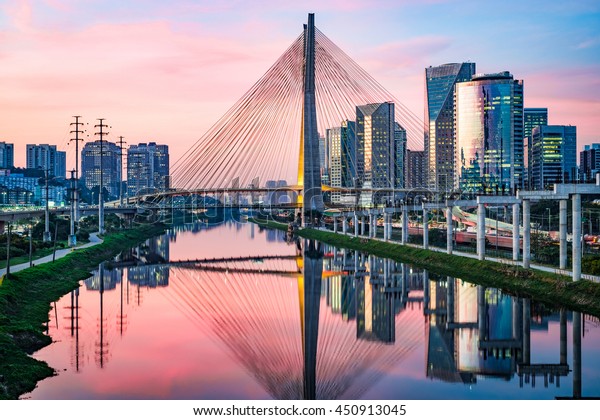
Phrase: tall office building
[439,117]
[341,146]
[554,155]
[7,155]
[111,166]
[46,157]
[415,171]
[489,134]
[376,166]
[532,117]
[589,162]
[399,154]
[147,168]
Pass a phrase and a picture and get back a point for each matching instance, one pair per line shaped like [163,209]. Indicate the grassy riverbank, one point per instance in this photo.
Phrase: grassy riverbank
[25,300]
[545,287]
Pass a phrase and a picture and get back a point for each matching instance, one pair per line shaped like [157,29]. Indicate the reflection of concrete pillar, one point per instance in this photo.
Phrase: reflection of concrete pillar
[526,233]
[404,225]
[516,314]
[449,230]
[563,337]
[481,231]
[481,313]
[344,225]
[335,224]
[526,331]
[516,232]
[576,355]
[450,282]
[355,224]
[425,289]
[356,262]
[576,237]
[425,229]
[562,233]
[362,225]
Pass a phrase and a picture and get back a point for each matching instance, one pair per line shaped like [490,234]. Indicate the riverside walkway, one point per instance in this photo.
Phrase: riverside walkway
[94,240]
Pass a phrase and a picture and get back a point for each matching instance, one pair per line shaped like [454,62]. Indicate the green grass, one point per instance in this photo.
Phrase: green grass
[548,288]
[25,300]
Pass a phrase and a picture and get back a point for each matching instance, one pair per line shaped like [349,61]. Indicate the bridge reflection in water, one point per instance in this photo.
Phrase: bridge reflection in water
[323,323]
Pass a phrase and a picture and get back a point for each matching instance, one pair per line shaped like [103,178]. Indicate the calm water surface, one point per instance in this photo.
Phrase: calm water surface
[257,318]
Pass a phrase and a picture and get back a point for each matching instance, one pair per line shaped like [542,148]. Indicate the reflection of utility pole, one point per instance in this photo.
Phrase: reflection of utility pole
[101,133]
[120,142]
[77,131]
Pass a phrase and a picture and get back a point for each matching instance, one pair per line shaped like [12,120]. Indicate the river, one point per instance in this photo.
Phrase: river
[250,316]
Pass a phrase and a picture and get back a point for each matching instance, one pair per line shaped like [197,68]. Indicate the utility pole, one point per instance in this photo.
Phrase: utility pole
[7,250]
[101,133]
[120,142]
[47,236]
[72,237]
[77,131]
[30,244]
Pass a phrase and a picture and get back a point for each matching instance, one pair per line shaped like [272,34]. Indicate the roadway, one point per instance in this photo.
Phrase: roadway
[94,240]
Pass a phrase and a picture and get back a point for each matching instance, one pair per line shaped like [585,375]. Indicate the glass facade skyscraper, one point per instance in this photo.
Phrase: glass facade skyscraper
[489,134]
[532,117]
[375,130]
[111,164]
[554,155]
[439,116]
[147,168]
[341,144]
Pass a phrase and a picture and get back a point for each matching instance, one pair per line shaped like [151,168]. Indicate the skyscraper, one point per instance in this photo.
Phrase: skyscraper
[554,155]
[489,134]
[46,157]
[7,155]
[341,144]
[415,172]
[147,168]
[111,164]
[532,117]
[399,154]
[439,117]
[376,164]
[589,161]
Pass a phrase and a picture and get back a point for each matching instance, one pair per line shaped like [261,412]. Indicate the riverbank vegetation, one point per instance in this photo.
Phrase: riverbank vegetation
[548,288]
[25,300]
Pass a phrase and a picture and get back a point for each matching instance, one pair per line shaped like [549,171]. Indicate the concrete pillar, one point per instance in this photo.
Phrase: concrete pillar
[355,224]
[404,225]
[562,233]
[371,230]
[386,226]
[362,225]
[335,224]
[526,233]
[576,237]
[425,228]
[344,225]
[449,230]
[516,232]
[374,224]
[481,231]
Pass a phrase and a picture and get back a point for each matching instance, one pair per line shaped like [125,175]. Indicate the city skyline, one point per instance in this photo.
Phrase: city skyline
[167,73]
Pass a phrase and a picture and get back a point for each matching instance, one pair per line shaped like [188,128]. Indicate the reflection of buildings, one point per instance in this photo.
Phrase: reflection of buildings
[153,251]
[477,332]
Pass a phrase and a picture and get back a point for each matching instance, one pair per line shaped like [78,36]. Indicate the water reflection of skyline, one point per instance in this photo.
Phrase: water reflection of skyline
[333,326]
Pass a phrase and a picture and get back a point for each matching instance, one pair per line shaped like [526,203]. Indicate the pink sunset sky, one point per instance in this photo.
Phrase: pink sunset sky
[166,71]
